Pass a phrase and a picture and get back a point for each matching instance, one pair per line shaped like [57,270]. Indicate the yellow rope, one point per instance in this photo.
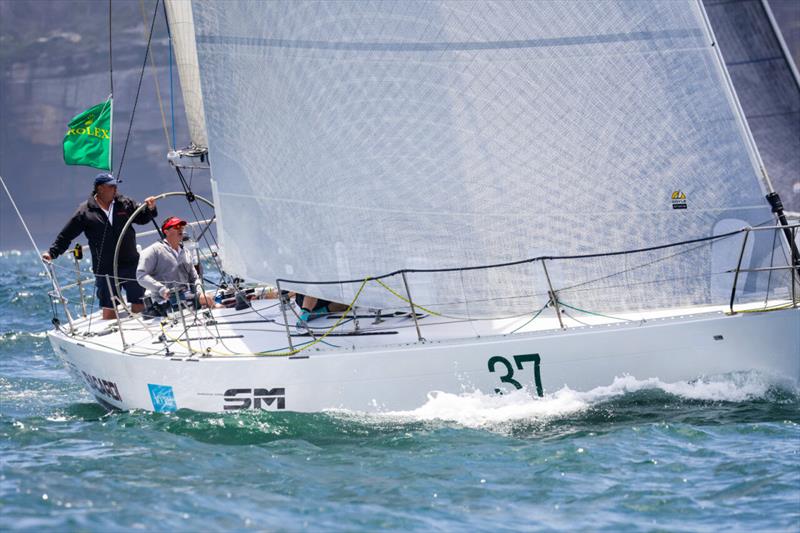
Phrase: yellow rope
[336,325]
[382,284]
[768,309]
[281,354]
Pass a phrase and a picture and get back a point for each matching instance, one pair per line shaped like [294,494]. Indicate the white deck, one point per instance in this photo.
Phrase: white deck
[385,367]
[261,330]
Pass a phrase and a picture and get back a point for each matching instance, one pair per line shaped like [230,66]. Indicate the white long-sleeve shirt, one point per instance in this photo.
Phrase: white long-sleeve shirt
[161,266]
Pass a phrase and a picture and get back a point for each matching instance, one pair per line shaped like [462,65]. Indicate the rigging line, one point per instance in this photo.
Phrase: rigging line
[24,225]
[187,188]
[110,55]
[202,214]
[539,312]
[336,325]
[656,281]
[771,264]
[635,267]
[273,353]
[382,284]
[595,314]
[205,234]
[154,70]
[138,90]
[581,322]
[768,309]
[520,261]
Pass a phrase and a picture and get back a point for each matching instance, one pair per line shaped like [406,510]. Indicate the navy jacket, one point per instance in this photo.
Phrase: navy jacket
[91,220]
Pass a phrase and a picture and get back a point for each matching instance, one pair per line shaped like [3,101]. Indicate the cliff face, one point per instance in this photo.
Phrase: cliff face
[55,63]
[54,57]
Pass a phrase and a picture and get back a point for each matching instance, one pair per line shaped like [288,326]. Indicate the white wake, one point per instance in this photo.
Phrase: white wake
[476,409]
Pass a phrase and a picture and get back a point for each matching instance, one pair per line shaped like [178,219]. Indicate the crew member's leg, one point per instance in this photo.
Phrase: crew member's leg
[104,296]
[311,307]
[133,291]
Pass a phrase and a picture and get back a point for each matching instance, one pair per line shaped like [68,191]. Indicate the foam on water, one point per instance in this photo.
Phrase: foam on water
[478,410]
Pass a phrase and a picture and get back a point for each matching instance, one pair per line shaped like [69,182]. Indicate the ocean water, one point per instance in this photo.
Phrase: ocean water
[637,455]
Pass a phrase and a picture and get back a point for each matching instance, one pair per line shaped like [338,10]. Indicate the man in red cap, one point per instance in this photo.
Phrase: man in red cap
[166,265]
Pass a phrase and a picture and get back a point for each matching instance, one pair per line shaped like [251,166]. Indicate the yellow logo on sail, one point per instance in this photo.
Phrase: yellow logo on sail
[678,200]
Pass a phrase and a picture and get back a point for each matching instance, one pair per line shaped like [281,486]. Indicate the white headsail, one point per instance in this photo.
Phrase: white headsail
[354,138]
[181,27]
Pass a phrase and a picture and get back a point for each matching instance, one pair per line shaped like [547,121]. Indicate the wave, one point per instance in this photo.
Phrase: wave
[13,336]
[478,410]
[734,399]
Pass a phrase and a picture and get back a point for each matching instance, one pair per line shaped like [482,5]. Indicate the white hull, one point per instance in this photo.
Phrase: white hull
[384,377]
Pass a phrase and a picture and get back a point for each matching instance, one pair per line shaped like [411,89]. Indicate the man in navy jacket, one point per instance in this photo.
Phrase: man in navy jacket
[101,218]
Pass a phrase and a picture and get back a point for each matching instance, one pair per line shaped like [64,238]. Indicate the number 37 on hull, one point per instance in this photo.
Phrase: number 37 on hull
[506,371]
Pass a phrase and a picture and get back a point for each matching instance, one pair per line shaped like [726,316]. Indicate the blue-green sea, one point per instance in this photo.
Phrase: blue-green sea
[718,454]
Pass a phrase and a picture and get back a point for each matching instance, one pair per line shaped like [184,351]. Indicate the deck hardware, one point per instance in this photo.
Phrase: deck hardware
[163,338]
[553,296]
[738,267]
[60,296]
[284,297]
[77,255]
[183,319]
[114,301]
[413,311]
[355,319]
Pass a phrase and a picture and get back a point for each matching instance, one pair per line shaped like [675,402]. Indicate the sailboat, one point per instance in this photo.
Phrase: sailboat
[503,196]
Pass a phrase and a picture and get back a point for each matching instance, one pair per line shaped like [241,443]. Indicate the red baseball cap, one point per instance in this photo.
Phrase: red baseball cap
[172,222]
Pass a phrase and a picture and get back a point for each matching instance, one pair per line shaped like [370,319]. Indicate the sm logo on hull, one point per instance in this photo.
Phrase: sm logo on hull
[254,398]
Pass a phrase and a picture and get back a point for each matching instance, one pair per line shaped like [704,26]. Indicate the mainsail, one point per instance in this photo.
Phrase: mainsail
[349,139]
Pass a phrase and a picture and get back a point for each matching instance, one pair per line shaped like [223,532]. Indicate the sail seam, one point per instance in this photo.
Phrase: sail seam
[449,213]
[648,36]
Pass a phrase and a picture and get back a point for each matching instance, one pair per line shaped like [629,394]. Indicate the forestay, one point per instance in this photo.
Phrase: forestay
[351,139]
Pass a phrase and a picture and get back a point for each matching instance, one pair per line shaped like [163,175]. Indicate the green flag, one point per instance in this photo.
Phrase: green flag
[88,138]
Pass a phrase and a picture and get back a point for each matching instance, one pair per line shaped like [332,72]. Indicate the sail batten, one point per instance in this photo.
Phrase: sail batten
[350,139]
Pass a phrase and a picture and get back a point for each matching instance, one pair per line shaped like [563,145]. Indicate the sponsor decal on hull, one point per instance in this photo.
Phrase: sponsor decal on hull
[236,399]
[163,398]
[105,388]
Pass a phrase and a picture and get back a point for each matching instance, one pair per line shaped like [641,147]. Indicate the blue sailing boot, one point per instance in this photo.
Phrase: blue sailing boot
[302,320]
[307,316]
